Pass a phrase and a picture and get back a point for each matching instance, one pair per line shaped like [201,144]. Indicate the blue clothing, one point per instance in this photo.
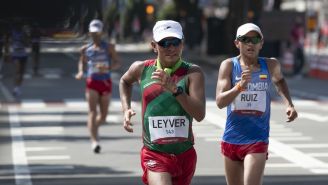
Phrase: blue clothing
[18,44]
[248,116]
[97,56]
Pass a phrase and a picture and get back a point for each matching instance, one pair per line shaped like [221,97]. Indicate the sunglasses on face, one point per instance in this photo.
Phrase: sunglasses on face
[253,40]
[165,43]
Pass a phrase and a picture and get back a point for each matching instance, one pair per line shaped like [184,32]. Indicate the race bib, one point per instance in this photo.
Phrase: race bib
[99,67]
[250,102]
[168,129]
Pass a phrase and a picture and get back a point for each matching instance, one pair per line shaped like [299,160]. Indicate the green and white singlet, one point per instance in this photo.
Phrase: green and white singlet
[167,127]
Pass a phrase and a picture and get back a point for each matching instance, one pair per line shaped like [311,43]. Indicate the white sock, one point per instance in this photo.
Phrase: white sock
[94,144]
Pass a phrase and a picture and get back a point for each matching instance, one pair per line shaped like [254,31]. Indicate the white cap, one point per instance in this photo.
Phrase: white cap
[245,28]
[167,28]
[95,26]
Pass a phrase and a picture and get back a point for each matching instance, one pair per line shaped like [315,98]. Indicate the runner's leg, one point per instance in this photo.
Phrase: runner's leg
[254,164]
[234,171]
[159,178]
[92,99]
[20,65]
[104,104]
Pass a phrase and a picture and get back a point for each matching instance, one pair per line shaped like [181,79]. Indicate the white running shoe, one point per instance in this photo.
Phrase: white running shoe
[96,147]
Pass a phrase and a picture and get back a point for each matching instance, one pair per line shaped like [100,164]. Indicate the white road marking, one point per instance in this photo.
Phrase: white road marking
[44,118]
[48,157]
[281,165]
[33,104]
[273,155]
[299,158]
[22,172]
[285,134]
[53,130]
[275,125]
[318,154]
[305,103]
[76,103]
[304,138]
[289,130]
[320,171]
[314,117]
[207,134]
[41,149]
[114,118]
[316,145]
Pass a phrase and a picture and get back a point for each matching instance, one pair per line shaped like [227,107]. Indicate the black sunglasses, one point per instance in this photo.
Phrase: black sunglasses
[165,43]
[253,40]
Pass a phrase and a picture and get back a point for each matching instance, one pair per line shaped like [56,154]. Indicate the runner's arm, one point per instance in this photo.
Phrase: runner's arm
[225,93]
[81,63]
[194,103]
[115,59]
[282,87]
[131,76]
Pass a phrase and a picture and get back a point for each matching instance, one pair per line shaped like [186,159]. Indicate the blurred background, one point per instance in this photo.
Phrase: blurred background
[43,133]
[209,25]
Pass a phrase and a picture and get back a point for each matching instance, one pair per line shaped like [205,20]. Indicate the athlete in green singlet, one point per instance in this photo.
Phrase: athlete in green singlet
[172,96]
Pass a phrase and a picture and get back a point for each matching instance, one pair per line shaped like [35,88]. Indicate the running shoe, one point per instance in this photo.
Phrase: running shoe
[96,148]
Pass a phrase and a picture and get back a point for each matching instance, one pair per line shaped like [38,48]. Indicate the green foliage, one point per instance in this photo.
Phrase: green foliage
[111,13]
[168,11]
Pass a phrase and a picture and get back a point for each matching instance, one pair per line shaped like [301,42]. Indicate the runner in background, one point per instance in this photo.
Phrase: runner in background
[99,58]
[15,47]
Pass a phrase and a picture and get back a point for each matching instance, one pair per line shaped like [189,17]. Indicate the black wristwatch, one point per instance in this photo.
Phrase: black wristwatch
[178,92]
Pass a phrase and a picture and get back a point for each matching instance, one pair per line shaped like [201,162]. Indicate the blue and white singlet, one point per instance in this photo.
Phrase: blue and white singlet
[248,116]
[97,56]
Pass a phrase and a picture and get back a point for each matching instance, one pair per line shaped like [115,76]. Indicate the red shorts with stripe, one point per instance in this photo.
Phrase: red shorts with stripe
[103,87]
[238,152]
[181,167]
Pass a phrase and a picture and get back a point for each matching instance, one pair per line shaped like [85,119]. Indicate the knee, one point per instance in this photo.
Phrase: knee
[92,113]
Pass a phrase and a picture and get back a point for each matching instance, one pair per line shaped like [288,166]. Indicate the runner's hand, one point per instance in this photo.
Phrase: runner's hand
[79,75]
[291,114]
[127,120]
[246,77]
[164,79]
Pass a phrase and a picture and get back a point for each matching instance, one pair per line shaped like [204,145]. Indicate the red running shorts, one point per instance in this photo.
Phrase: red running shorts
[238,152]
[103,87]
[181,167]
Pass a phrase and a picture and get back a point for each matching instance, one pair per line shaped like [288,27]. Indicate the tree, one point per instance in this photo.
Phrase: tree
[240,12]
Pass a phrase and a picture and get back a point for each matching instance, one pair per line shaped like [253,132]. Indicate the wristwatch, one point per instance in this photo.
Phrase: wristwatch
[178,92]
